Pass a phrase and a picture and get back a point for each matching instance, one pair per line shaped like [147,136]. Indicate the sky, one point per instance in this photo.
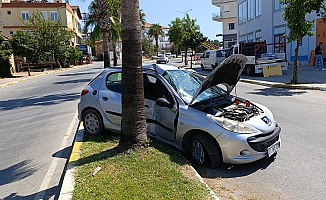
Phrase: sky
[163,12]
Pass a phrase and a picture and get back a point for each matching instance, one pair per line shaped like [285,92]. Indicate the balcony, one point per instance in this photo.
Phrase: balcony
[219,17]
[219,2]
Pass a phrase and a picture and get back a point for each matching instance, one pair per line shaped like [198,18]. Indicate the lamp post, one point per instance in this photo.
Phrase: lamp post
[185,12]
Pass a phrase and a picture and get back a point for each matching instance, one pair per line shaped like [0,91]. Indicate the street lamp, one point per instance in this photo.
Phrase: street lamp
[185,12]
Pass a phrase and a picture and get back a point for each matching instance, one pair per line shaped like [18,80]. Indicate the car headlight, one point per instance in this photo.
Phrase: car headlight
[234,126]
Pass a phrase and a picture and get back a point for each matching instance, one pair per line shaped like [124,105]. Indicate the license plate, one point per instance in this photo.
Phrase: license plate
[273,149]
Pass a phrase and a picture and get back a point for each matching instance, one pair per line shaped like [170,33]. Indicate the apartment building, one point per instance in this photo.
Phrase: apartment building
[163,41]
[228,17]
[14,12]
[260,20]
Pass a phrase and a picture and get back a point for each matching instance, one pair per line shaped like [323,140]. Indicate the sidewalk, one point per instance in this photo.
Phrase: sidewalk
[23,76]
[308,77]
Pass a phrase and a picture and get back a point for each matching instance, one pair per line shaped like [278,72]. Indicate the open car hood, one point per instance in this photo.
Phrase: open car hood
[227,73]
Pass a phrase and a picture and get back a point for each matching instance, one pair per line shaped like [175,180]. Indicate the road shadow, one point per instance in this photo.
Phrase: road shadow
[232,171]
[276,92]
[85,80]
[47,100]
[51,193]
[17,172]
[76,74]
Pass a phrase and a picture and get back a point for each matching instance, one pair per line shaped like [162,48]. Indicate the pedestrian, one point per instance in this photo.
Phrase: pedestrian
[319,57]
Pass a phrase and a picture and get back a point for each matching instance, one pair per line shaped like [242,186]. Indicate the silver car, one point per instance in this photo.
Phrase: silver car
[195,114]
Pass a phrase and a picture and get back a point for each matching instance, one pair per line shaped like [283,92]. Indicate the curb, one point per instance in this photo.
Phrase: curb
[39,75]
[68,184]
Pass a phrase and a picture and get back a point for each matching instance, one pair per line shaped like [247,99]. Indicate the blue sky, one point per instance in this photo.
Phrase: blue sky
[163,12]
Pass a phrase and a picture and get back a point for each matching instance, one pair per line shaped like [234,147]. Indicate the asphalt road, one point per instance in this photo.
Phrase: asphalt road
[38,124]
[298,170]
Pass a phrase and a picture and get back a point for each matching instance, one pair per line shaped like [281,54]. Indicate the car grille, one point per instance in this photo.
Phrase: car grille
[260,143]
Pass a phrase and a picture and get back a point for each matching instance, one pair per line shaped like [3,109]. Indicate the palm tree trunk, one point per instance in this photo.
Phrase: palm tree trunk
[156,45]
[133,123]
[296,64]
[106,48]
[115,58]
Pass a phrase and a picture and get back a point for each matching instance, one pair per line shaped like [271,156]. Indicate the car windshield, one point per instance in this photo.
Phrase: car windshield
[186,84]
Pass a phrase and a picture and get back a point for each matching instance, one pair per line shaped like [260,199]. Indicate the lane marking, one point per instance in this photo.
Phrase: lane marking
[48,176]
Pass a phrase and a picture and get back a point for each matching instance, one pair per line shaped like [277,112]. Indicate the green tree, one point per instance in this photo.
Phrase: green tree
[142,16]
[155,31]
[148,48]
[190,29]
[294,14]
[175,33]
[54,39]
[133,123]
[5,53]
[24,44]
[115,25]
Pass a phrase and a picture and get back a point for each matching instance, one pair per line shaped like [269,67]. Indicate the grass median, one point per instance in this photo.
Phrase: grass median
[160,172]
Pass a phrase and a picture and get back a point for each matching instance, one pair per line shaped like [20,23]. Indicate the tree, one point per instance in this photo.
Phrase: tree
[142,19]
[295,12]
[53,39]
[194,41]
[5,53]
[115,25]
[148,48]
[133,123]
[102,17]
[25,45]
[190,29]
[155,31]
[175,33]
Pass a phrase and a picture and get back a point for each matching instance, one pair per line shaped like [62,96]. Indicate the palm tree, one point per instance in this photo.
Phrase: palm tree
[102,16]
[155,31]
[133,123]
[115,23]
[142,16]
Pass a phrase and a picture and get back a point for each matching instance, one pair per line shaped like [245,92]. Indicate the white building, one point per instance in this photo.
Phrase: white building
[260,20]
[228,17]
[163,41]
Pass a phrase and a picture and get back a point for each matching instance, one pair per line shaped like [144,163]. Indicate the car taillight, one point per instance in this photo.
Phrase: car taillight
[84,92]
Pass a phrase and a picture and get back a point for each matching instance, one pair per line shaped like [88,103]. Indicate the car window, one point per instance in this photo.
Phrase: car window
[154,89]
[207,55]
[114,82]
[186,84]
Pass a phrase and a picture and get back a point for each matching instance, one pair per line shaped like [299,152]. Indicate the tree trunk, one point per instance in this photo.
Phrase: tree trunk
[156,45]
[296,64]
[58,65]
[115,58]
[133,124]
[186,61]
[106,49]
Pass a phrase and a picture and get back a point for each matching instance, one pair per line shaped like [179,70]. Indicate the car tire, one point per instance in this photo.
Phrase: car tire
[93,123]
[204,151]
[202,67]
[250,70]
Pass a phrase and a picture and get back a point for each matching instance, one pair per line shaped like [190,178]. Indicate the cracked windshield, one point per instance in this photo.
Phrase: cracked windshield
[186,85]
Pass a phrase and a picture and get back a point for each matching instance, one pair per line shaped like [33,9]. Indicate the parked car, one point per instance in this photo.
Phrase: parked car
[212,58]
[162,59]
[95,58]
[195,114]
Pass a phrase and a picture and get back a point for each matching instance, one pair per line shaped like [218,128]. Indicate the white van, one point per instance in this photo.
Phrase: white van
[212,58]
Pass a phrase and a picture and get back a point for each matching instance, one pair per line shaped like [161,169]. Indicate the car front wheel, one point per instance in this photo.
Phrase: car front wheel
[205,151]
[93,124]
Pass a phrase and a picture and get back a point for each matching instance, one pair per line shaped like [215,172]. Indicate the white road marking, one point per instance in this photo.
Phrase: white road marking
[47,179]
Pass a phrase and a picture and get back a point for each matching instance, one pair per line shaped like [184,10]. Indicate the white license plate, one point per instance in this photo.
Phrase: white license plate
[273,149]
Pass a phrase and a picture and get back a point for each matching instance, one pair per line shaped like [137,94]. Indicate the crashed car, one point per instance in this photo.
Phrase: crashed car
[195,114]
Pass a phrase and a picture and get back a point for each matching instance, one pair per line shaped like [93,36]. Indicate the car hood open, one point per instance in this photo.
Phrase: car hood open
[227,74]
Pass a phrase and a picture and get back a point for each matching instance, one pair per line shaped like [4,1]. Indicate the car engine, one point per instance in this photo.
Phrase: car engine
[240,110]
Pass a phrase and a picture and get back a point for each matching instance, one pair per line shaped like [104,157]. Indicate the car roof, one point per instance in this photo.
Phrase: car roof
[160,68]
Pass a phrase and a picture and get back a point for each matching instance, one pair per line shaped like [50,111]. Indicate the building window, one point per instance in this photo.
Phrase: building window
[8,12]
[231,26]
[258,36]
[250,9]
[242,38]
[258,8]
[250,37]
[279,39]
[54,15]
[278,5]
[226,8]
[25,15]
[242,12]
[45,15]
[11,32]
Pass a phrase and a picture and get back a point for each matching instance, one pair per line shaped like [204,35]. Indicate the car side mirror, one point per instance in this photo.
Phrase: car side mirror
[163,102]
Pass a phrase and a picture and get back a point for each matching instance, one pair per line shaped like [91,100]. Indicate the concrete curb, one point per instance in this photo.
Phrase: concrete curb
[39,75]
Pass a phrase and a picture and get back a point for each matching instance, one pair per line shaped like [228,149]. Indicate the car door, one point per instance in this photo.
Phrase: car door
[206,60]
[110,97]
[160,120]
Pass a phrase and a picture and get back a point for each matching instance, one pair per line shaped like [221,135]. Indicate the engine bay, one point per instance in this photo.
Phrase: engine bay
[239,110]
